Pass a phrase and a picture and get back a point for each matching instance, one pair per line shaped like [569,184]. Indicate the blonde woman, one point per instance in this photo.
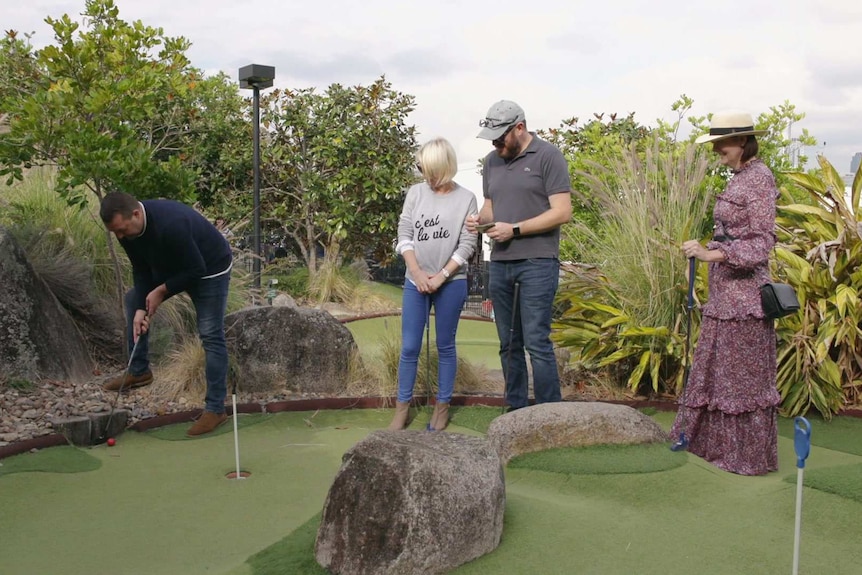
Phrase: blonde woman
[435,244]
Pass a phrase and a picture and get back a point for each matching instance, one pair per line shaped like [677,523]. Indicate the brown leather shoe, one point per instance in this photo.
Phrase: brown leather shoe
[207,422]
[128,381]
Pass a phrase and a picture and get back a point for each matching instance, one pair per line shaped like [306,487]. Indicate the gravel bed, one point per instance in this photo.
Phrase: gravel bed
[27,413]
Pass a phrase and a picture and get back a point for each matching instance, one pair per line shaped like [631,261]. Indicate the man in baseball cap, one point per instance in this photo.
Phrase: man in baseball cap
[502,115]
[525,182]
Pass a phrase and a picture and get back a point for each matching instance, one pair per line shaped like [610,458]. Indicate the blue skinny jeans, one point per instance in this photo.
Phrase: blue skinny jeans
[415,311]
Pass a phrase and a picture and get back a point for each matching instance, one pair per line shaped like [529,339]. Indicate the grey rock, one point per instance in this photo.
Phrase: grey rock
[410,502]
[75,429]
[570,424]
[284,300]
[281,347]
[38,338]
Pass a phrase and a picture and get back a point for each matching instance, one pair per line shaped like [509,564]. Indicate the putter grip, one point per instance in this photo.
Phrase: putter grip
[692,265]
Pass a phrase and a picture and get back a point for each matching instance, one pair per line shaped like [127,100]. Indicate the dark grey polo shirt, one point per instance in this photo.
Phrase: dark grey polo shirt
[519,190]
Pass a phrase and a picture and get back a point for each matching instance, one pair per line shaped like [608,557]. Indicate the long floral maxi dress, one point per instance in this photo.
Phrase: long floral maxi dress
[729,408]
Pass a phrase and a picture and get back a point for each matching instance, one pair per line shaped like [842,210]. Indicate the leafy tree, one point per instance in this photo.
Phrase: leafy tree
[107,107]
[19,73]
[335,166]
[114,105]
[589,147]
[217,143]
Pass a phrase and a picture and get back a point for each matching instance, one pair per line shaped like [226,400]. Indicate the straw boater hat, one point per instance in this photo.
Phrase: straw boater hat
[728,125]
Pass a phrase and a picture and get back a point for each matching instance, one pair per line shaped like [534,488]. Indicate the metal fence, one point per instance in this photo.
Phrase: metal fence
[478,300]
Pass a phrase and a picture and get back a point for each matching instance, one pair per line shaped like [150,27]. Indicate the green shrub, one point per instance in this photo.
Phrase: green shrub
[820,347]
[624,306]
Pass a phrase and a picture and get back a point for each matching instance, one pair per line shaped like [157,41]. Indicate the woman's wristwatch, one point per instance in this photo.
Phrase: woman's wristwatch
[445,273]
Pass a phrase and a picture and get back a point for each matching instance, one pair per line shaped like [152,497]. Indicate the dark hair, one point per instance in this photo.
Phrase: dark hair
[750,149]
[117,203]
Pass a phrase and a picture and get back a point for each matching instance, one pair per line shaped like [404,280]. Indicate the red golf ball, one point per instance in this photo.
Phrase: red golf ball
[111,442]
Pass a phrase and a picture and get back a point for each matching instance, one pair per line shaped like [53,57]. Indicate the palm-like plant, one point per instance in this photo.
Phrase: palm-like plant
[625,308]
[820,348]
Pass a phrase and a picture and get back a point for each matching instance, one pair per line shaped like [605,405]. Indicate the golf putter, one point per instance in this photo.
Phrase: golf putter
[681,444]
[511,337]
[104,434]
[428,359]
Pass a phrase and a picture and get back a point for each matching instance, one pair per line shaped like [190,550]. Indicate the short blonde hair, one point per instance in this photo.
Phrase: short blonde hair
[438,162]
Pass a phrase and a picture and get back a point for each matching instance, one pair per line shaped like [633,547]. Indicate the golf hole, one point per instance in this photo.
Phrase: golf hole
[242,475]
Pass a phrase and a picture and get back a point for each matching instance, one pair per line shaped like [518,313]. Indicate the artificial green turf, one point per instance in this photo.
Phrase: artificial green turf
[390,292]
[837,434]
[178,432]
[165,507]
[843,480]
[602,459]
[293,554]
[61,459]
[477,418]
[476,341]
[691,519]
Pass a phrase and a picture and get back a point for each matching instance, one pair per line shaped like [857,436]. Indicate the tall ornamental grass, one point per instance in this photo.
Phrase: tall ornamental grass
[624,303]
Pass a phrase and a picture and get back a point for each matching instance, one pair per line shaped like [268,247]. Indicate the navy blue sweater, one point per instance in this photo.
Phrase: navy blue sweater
[178,247]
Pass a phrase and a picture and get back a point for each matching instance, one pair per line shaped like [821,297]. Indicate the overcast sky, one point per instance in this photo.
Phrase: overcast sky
[557,58]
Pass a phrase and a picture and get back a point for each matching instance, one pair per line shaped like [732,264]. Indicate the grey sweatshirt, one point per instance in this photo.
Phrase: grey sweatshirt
[433,226]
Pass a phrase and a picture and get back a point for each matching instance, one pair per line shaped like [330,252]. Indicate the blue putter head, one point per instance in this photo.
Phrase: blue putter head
[680,444]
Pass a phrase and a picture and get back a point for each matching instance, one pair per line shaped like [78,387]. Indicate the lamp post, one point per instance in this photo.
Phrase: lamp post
[255,76]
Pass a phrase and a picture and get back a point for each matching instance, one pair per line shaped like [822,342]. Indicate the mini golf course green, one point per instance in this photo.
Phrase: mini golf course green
[160,503]
[476,340]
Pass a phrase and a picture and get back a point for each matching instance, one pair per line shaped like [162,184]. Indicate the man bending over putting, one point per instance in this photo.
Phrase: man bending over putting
[173,249]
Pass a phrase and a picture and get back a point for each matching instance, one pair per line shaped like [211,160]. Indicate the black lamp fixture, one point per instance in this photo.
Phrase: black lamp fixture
[256,77]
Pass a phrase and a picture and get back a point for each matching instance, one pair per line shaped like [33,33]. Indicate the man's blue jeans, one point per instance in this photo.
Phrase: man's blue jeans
[448,302]
[529,327]
[209,297]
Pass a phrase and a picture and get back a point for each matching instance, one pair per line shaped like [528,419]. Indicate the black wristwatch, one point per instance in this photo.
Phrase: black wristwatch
[516,230]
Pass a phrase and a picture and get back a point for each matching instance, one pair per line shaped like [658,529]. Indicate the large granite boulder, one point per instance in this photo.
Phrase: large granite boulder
[408,502]
[570,424]
[300,349]
[38,338]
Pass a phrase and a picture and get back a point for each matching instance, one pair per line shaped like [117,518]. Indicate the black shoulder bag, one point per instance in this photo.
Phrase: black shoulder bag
[778,300]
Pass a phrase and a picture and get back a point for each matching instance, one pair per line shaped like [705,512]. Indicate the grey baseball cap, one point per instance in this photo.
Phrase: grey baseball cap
[499,118]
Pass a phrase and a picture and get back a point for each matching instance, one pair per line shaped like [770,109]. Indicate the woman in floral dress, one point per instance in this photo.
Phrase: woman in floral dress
[729,410]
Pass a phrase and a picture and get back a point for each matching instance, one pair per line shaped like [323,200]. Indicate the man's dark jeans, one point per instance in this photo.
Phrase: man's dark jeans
[530,326]
[209,297]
